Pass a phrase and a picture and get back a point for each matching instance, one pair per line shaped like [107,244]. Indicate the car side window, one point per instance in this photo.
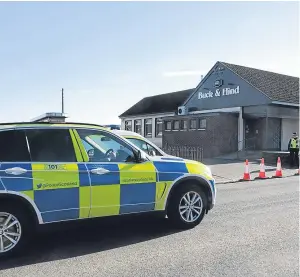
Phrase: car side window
[146,147]
[13,146]
[51,145]
[104,147]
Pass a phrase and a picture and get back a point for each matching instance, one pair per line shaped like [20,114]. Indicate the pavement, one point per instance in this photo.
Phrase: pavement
[252,231]
[228,171]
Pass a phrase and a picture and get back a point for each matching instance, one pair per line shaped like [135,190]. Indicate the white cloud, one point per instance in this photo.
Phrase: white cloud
[183,73]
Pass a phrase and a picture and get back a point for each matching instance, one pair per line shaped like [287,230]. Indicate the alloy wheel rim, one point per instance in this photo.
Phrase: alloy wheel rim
[190,206]
[10,232]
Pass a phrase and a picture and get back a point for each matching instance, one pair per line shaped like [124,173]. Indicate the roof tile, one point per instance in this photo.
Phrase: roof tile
[162,103]
[277,87]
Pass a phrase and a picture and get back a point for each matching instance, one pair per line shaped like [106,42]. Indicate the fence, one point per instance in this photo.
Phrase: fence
[186,152]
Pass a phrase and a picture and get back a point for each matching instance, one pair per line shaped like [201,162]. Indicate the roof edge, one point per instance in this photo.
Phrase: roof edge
[148,114]
[156,95]
[50,123]
[285,104]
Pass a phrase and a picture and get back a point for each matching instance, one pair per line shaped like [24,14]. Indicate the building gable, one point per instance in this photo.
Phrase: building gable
[222,88]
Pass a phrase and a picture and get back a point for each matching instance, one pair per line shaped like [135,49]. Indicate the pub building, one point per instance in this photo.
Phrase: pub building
[233,108]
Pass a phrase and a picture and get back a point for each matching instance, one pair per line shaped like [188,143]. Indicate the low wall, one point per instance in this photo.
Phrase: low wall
[272,156]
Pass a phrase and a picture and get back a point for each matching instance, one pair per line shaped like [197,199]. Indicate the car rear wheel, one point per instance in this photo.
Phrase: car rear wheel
[187,206]
[14,230]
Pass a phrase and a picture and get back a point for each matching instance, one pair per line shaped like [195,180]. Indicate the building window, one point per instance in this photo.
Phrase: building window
[202,123]
[183,125]
[158,127]
[128,125]
[176,125]
[193,124]
[148,127]
[168,125]
[138,126]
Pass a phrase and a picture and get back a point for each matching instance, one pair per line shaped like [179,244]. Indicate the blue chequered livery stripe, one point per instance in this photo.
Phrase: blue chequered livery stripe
[170,171]
[83,175]
[65,203]
[137,197]
[12,182]
[64,199]
[112,177]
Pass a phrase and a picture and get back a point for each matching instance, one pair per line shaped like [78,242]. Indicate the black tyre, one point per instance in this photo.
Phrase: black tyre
[16,228]
[187,206]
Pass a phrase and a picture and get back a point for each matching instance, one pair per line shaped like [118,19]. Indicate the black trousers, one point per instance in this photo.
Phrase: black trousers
[294,157]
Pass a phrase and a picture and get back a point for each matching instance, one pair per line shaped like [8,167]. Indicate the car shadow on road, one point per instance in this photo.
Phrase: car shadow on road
[72,239]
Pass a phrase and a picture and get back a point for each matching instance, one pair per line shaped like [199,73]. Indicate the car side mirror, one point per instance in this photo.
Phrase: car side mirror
[91,153]
[152,153]
[140,156]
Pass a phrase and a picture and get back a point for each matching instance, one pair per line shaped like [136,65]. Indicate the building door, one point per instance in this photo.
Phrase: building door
[252,134]
[274,134]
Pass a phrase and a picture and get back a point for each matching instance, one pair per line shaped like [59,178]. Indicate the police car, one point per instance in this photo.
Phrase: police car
[71,171]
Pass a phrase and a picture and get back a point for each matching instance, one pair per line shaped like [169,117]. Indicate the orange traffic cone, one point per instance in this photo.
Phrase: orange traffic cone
[262,171]
[278,172]
[247,176]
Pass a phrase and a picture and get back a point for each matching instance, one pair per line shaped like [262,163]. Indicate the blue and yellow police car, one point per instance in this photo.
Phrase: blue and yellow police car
[70,171]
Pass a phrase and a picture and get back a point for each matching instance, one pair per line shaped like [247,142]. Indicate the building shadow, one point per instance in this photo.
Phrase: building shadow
[72,239]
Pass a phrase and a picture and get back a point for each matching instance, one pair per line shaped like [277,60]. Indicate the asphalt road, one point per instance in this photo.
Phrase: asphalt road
[252,231]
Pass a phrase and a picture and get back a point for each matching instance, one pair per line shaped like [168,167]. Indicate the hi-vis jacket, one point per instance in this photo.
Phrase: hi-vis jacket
[294,143]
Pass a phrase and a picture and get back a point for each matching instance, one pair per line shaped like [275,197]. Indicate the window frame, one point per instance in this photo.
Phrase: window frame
[173,125]
[199,124]
[146,134]
[135,124]
[182,128]
[128,121]
[26,142]
[67,129]
[166,123]
[190,125]
[159,122]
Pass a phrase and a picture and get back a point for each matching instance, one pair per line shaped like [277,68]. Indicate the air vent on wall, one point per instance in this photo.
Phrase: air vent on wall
[181,110]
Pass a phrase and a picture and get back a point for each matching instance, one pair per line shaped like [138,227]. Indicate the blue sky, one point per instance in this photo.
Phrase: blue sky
[109,55]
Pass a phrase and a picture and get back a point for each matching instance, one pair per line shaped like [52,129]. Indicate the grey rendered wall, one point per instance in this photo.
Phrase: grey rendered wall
[243,94]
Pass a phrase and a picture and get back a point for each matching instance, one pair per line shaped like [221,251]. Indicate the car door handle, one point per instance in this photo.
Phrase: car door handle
[99,171]
[15,171]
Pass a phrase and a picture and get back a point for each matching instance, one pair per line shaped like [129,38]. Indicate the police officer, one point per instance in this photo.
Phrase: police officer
[294,150]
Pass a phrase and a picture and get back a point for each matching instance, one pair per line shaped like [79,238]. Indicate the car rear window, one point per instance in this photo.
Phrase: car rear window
[51,145]
[13,147]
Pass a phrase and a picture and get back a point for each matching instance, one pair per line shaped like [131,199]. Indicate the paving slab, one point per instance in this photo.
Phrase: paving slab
[227,171]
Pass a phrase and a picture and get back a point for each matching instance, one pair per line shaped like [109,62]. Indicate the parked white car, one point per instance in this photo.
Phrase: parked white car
[141,142]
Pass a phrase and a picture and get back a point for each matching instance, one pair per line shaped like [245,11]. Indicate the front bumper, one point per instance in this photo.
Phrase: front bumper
[214,194]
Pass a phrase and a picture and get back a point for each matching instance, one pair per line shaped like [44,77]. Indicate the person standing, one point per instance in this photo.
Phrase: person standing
[294,150]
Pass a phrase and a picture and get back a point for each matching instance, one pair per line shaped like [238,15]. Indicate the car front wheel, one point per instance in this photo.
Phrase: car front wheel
[187,206]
